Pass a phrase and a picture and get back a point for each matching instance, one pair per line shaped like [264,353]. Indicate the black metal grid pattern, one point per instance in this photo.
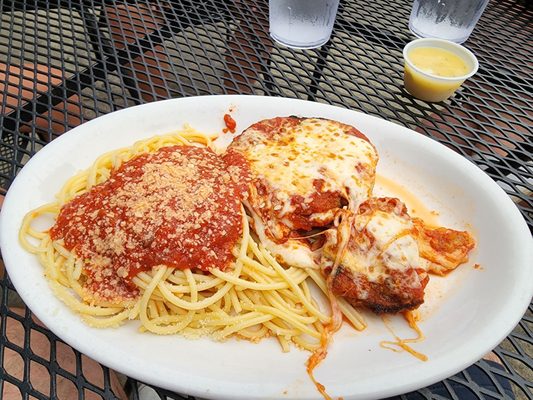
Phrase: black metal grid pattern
[63,62]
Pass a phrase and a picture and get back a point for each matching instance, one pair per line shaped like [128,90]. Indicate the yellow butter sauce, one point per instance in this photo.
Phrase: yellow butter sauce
[439,62]
[444,70]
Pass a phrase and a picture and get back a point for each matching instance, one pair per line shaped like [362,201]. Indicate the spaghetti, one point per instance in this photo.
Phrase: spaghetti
[251,297]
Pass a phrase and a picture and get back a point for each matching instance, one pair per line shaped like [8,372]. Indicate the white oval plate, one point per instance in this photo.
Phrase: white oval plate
[465,315]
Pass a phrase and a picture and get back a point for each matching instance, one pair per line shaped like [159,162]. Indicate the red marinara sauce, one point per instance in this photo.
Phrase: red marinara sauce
[230,123]
[179,206]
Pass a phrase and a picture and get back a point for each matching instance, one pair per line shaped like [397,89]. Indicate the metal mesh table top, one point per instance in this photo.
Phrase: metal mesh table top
[66,62]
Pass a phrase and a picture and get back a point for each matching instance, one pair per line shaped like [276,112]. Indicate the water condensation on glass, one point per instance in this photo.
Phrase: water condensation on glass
[302,23]
[304,11]
[446,19]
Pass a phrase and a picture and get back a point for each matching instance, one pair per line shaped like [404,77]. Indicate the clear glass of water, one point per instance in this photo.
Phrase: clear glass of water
[452,20]
[302,24]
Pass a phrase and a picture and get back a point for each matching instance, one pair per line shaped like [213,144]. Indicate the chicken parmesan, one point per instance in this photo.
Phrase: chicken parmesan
[379,258]
[374,258]
[303,170]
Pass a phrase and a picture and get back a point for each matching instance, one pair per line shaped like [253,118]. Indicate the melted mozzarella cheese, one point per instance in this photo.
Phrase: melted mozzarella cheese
[314,149]
[393,247]
[292,252]
[401,254]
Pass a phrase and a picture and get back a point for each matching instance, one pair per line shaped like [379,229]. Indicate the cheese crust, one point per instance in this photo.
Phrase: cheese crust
[304,170]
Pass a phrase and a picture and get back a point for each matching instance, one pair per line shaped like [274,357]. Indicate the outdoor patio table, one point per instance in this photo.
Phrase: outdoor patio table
[64,62]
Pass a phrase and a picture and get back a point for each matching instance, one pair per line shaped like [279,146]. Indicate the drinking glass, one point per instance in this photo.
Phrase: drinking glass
[452,20]
[302,24]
